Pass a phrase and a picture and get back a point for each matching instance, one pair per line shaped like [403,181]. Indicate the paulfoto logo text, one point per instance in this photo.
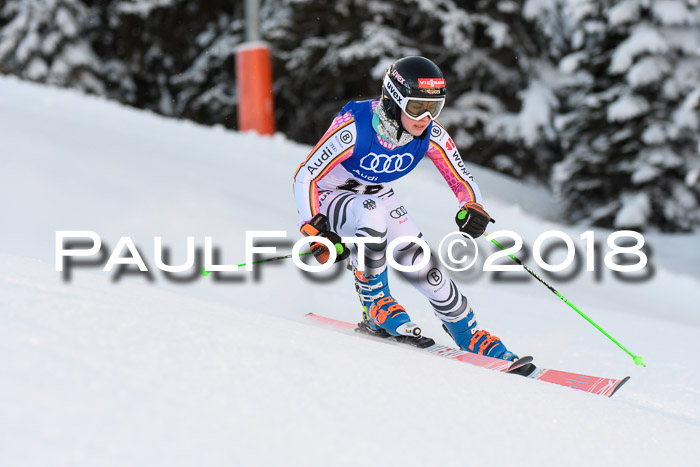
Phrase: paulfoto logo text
[457,252]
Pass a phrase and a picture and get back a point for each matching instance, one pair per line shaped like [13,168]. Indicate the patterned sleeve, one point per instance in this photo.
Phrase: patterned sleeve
[333,148]
[444,154]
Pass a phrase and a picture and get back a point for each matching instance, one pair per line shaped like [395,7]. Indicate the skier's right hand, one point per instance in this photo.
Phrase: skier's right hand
[320,226]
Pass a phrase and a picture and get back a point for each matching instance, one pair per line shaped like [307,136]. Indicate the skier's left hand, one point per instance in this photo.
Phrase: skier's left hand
[472,219]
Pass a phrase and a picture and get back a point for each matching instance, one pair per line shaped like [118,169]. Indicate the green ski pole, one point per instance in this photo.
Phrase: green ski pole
[338,248]
[637,358]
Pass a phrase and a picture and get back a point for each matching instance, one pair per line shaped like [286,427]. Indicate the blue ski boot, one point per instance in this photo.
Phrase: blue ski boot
[381,311]
[467,336]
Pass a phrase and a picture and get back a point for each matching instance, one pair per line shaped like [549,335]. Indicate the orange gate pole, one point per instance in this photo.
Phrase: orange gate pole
[256,110]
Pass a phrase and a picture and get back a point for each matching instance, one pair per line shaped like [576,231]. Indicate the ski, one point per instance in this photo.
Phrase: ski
[428,345]
[591,384]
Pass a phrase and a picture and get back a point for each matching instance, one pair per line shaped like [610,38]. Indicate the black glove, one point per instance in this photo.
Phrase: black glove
[320,226]
[472,219]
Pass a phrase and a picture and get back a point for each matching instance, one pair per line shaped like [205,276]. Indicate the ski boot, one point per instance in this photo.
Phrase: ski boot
[381,311]
[468,337]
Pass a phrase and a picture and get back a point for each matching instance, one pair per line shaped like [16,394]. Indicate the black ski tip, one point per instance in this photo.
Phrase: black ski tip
[525,370]
[522,366]
[619,385]
[520,362]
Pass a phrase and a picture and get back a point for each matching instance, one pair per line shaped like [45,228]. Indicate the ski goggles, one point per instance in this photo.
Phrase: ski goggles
[415,108]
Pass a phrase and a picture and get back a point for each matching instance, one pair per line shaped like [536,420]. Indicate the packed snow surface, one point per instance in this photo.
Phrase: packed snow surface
[129,368]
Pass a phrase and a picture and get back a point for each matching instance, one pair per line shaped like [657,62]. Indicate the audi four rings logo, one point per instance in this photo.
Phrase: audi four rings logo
[384,163]
[398,212]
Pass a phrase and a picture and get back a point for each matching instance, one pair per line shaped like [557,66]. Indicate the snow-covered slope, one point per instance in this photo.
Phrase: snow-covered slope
[137,369]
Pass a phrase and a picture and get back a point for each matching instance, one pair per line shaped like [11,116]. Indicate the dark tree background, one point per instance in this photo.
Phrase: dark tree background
[600,100]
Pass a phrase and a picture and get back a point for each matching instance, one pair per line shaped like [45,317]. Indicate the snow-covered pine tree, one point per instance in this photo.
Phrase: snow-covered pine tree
[48,41]
[328,52]
[171,56]
[503,113]
[180,55]
[177,58]
[211,74]
[629,126]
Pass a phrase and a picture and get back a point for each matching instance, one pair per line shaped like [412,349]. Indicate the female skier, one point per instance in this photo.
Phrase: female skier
[344,189]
